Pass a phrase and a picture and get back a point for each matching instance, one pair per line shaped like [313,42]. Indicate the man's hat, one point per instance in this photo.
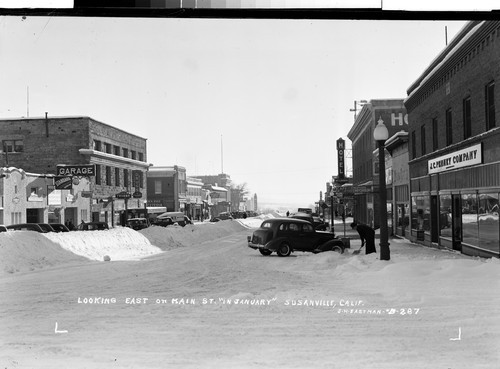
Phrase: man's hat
[353,224]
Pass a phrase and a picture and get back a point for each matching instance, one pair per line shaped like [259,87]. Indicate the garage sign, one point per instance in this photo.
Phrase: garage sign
[84,170]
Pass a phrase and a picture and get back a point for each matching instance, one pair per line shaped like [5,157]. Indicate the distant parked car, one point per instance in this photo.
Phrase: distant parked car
[26,227]
[286,235]
[222,216]
[93,226]
[3,228]
[46,227]
[317,223]
[172,217]
[138,223]
[58,227]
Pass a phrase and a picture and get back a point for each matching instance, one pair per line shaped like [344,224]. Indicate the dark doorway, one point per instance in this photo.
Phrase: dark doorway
[456,222]
[32,216]
[435,219]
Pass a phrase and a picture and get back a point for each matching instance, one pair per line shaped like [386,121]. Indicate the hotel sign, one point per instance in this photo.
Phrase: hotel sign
[458,159]
[340,157]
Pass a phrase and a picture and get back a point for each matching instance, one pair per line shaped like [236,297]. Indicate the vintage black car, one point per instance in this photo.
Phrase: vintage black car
[287,235]
[27,227]
[137,223]
[58,227]
[317,223]
[93,226]
[222,216]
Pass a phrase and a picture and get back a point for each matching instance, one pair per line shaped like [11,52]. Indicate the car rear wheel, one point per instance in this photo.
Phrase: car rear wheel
[265,252]
[284,249]
[338,249]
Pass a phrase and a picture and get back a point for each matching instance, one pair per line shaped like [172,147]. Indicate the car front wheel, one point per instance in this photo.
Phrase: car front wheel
[265,252]
[284,250]
[338,249]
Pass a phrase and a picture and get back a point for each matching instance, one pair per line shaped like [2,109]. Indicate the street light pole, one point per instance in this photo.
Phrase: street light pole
[381,134]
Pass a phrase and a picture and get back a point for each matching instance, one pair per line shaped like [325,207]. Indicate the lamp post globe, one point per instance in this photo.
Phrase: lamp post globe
[381,134]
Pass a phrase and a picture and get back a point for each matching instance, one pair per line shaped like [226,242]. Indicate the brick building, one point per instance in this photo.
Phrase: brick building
[454,145]
[168,186]
[219,187]
[39,145]
[364,156]
[195,199]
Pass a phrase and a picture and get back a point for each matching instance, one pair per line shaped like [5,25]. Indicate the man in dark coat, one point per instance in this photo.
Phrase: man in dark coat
[367,235]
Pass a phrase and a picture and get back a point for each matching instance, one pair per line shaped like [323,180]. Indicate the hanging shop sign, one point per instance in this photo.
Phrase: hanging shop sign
[458,159]
[63,183]
[123,195]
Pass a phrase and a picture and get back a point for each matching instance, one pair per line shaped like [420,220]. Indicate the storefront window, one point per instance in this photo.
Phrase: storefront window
[470,231]
[421,213]
[489,227]
[414,212]
[402,215]
[445,216]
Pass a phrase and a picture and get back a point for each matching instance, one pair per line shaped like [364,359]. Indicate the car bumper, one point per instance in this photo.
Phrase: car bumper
[257,246]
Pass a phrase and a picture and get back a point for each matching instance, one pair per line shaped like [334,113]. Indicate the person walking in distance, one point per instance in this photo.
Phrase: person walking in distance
[367,235]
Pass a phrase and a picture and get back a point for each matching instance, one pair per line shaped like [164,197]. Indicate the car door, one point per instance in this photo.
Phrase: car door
[306,237]
[290,233]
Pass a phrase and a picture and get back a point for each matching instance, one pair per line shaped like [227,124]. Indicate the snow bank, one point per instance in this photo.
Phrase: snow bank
[171,237]
[23,251]
[117,243]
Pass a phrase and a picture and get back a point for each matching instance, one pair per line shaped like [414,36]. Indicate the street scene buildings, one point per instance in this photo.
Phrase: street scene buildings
[442,155]
[442,162]
[94,172]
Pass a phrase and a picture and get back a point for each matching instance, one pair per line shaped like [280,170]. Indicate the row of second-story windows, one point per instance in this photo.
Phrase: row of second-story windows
[112,176]
[118,151]
[490,123]
[12,146]
[160,184]
[193,191]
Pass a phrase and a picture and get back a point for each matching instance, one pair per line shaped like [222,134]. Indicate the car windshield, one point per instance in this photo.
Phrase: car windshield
[266,225]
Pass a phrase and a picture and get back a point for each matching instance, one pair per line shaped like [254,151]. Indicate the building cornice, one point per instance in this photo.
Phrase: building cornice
[115,158]
[449,149]
[470,41]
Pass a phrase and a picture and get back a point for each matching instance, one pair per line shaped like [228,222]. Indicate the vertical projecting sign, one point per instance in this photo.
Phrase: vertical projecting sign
[340,156]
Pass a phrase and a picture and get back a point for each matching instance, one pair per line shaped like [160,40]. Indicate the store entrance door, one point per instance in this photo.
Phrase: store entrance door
[456,222]
[435,219]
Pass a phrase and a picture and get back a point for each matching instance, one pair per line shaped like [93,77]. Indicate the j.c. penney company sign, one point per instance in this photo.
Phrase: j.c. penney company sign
[458,159]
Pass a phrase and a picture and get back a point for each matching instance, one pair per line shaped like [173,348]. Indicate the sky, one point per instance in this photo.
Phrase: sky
[262,100]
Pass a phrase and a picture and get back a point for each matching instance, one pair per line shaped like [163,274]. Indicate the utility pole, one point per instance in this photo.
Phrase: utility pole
[221,156]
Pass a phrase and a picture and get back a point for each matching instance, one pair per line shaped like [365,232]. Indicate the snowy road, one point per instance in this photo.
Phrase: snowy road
[220,304]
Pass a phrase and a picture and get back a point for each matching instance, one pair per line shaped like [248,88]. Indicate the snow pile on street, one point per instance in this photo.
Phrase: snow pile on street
[118,243]
[26,251]
[171,237]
